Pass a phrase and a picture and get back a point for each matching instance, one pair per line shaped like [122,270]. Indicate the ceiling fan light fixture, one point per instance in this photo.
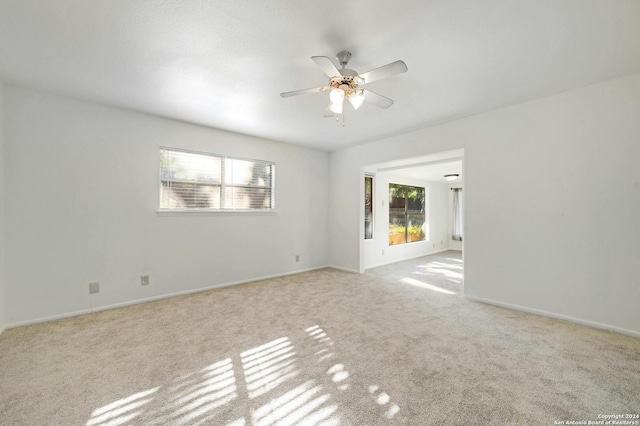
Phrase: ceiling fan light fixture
[336,96]
[336,108]
[356,99]
[345,83]
[451,177]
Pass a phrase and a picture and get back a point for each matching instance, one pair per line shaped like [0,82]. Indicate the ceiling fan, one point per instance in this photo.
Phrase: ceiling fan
[346,83]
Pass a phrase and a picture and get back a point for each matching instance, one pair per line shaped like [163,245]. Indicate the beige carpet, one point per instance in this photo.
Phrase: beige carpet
[396,345]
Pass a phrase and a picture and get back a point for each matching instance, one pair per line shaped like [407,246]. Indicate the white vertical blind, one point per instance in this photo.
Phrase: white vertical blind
[193,180]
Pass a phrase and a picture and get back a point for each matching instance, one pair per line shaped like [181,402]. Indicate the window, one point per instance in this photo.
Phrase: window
[456,234]
[200,181]
[368,207]
[406,214]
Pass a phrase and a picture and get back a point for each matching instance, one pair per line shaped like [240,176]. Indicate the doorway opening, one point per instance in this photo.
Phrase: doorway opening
[432,216]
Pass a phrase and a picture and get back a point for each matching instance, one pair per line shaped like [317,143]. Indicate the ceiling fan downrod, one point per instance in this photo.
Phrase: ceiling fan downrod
[343,58]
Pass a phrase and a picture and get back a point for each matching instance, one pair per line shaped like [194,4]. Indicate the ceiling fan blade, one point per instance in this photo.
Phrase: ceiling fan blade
[397,67]
[326,65]
[377,100]
[304,91]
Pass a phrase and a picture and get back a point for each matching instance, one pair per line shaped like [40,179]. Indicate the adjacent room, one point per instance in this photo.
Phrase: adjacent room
[413,207]
[301,213]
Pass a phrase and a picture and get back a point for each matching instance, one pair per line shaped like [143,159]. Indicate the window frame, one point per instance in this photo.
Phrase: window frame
[408,213]
[223,187]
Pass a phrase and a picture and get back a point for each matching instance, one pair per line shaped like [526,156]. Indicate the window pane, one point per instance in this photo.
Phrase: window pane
[415,199]
[247,172]
[397,226]
[247,198]
[415,214]
[189,167]
[396,196]
[368,207]
[179,195]
[415,231]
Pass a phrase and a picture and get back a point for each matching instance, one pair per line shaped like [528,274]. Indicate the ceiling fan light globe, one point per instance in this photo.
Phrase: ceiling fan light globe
[336,108]
[356,100]
[336,96]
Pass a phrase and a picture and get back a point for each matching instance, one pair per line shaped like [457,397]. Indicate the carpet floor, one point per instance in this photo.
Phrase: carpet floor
[398,344]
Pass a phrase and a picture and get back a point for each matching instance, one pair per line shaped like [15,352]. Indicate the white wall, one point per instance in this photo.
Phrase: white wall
[2,235]
[437,220]
[552,201]
[81,199]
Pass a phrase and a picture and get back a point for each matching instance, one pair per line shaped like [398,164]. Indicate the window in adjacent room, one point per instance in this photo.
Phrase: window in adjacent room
[209,182]
[368,207]
[457,214]
[406,213]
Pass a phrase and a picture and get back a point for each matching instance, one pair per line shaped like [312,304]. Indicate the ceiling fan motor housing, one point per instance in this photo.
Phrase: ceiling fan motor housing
[346,80]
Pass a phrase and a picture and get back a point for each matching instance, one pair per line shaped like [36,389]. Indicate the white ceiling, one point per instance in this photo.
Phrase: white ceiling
[223,64]
[431,168]
[433,172]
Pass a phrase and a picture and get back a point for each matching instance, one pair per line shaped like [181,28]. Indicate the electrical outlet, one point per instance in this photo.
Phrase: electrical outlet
[383,252]
[434,246]
[94,288]
[441,242]
[144,280]
[297,258]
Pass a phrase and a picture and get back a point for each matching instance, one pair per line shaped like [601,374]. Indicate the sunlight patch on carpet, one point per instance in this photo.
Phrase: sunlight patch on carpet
[293,406]
[268,366]
[382,398]
[212,388]
[424,285]
[266,379]
[120,411]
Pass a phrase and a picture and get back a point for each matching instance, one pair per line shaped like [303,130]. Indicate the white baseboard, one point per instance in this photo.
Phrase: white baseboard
[154,298]
[200,289]
[49,318]
[2,329]
[580,321]
[340,268]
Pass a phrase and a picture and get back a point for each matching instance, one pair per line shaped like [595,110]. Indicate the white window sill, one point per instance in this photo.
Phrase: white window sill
[206,212]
